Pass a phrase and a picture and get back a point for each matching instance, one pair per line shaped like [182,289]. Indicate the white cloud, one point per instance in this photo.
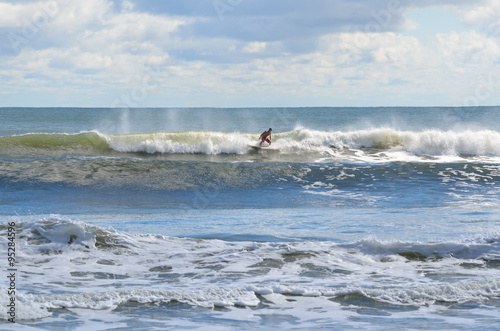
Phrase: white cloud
[87,47]
[320,50]
[127,6]
[468,49]
[20,14]
[484,17]
[481,14]
[378,47]
[255,47]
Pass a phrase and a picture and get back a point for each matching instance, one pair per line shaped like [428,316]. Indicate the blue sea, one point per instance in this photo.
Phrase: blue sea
[168,219]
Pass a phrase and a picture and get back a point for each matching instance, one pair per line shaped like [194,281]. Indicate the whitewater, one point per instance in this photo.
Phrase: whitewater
[354,218]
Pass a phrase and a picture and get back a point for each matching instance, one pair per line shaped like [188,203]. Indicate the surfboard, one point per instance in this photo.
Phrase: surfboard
[261,148]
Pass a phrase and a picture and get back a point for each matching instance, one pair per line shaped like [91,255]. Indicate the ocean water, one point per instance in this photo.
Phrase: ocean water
[167,219]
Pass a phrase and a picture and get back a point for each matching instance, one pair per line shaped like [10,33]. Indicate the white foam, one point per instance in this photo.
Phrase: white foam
[25,307]
[56,233]
[426,295]
[395,145]
[105,268]
[377,144]
[181,142]
[208,298]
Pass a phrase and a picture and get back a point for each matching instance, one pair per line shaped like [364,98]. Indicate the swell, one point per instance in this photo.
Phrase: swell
[172,175]
[142,174]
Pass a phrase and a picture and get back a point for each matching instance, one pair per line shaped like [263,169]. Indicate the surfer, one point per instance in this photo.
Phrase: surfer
[265,137]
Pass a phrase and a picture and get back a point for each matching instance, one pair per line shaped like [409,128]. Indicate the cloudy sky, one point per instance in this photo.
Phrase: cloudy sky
[249,53]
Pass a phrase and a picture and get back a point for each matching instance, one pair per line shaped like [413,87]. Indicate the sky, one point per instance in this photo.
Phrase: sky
[249,53]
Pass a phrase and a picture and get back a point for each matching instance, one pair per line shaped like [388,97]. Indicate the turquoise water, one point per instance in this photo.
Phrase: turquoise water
[355,218]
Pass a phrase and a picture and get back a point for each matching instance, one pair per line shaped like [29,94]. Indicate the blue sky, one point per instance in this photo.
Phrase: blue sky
[249,53]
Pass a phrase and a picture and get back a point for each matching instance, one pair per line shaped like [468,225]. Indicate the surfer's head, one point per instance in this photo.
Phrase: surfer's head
[270,129]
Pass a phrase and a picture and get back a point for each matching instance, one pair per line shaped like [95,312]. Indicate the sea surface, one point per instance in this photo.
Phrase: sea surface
[168,219]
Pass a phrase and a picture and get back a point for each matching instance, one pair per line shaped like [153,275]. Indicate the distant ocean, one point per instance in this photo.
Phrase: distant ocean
[166,219]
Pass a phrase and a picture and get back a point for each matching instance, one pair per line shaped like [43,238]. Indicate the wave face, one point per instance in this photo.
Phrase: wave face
[350,145]
[71,255]
[90,142]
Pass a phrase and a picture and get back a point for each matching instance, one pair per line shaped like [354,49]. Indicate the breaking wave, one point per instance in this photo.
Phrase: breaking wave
[300,140]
